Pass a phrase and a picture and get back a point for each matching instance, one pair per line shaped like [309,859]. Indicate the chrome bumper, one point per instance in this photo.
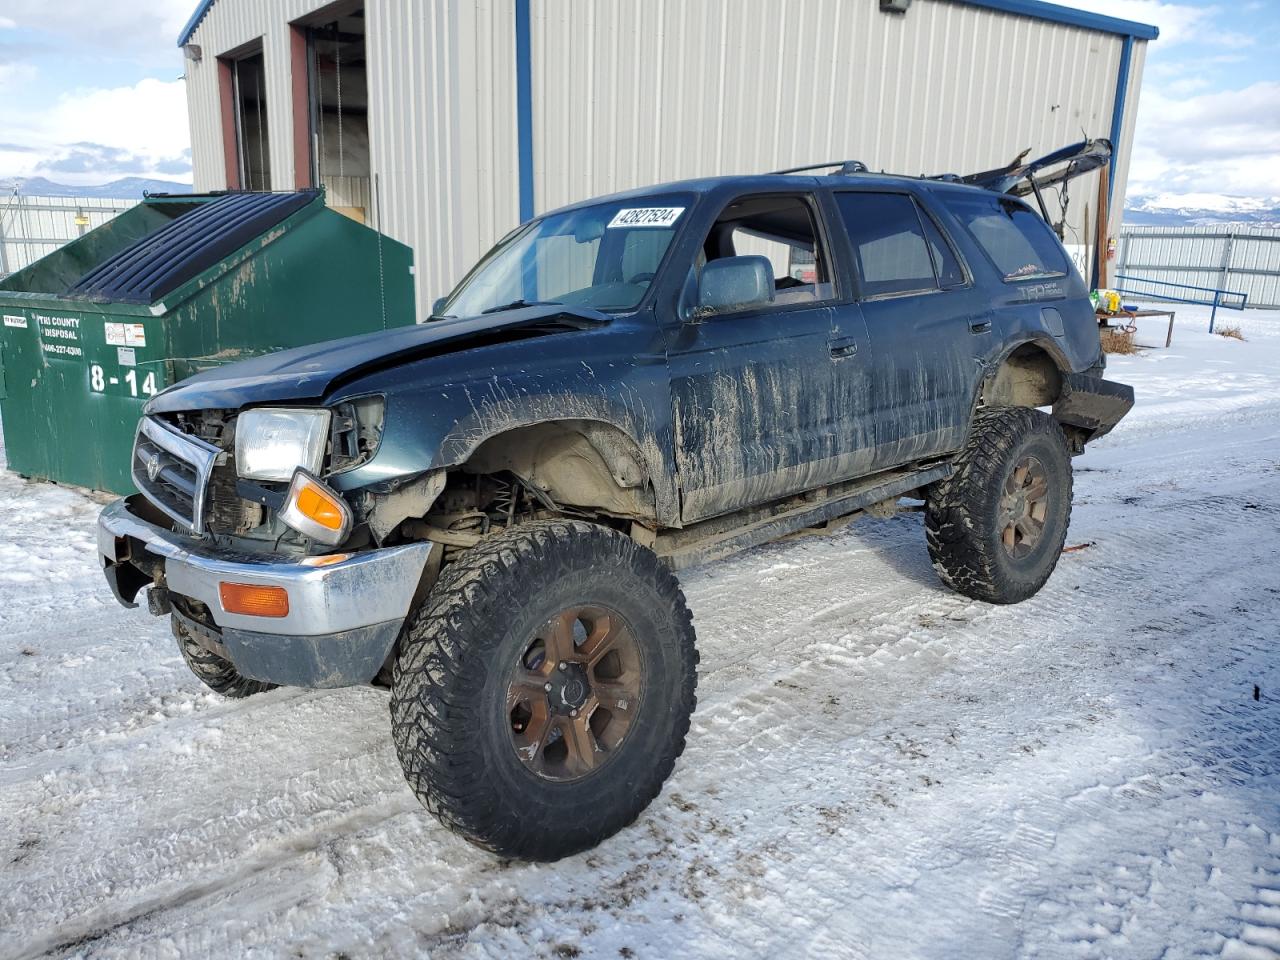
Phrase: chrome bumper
[343,619]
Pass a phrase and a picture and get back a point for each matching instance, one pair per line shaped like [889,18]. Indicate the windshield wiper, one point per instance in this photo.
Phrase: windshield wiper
[517,304]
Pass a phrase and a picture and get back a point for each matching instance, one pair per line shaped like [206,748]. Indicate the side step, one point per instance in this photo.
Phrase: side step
[722,536]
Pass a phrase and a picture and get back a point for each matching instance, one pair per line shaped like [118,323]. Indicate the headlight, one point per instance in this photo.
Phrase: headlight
[272,442]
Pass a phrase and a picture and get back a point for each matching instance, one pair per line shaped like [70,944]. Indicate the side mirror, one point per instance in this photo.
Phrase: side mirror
[734,283]
[438,306]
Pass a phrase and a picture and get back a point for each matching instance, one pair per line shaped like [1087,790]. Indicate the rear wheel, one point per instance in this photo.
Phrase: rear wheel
[996,526]
[543,690]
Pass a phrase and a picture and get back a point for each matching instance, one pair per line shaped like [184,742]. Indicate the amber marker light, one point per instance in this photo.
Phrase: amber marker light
[324,560]
[254,600]
[316,511]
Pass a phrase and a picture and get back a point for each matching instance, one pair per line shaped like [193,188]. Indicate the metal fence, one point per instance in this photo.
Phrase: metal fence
[1226,257]
[31,227]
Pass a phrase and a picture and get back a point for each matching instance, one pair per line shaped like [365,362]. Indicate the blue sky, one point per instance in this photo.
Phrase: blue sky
[90,90]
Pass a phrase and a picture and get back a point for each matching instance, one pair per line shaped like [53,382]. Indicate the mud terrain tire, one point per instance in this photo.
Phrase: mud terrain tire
[976,544]
[452,716]
[217,674]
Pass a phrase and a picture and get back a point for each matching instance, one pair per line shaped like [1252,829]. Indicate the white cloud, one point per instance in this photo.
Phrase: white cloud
[1178,22]
[150,117]
[14,76]
[90,136]
[146,32]
[1223,142]
[1194,136]
[7,24]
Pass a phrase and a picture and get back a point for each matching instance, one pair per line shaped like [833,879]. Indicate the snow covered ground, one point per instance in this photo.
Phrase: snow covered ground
[877,768]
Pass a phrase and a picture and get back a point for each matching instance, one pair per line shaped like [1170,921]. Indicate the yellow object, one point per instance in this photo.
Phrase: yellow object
[325,560]
[1109,301]
[318,504]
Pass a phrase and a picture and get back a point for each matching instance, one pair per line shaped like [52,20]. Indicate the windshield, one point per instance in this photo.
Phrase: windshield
[603,257]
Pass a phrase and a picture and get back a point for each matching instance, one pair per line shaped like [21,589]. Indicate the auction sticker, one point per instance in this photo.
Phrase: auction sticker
[11,321]
[646,217]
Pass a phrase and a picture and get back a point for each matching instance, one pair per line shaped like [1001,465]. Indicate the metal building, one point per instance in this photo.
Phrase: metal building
[446,123]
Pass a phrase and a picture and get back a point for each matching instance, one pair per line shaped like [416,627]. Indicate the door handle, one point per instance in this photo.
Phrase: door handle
[845,347]
[980,322]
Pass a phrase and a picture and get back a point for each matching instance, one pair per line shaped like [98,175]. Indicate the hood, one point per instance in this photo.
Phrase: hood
[308,373]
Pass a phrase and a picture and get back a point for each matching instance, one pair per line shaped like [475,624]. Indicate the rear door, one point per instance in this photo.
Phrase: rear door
[928,325]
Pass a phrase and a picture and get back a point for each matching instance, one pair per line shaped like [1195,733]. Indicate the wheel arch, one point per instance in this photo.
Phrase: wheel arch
[579,462]
[1029,373]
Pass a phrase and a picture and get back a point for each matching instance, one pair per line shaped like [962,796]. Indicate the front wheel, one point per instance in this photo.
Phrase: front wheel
[543,690]
[214,672]
[996,526]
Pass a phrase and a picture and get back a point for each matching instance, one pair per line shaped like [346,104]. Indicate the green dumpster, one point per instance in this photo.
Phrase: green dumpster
[170,287]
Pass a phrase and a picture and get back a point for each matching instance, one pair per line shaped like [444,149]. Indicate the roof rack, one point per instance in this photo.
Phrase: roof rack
[846,167]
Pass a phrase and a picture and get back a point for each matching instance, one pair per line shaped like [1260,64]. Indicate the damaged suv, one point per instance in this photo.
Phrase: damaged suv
[484,513]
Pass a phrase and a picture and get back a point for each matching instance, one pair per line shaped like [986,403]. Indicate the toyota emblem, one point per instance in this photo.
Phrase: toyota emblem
[153,467]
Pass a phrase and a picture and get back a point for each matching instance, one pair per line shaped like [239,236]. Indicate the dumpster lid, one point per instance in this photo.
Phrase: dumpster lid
[188,245]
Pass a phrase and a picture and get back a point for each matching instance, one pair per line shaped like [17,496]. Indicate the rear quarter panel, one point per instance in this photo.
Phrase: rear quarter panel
[1055,313]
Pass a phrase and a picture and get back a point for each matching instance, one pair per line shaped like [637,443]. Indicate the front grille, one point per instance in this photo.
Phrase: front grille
[172,470]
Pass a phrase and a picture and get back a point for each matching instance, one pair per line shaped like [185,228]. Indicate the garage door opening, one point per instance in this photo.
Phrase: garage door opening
[245,105]
[338,91]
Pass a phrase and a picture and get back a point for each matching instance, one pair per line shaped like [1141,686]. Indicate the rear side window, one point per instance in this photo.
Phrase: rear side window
[945,263]
[1018,241]
[898,249]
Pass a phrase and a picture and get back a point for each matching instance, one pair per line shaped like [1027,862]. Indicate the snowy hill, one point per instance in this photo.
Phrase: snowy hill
[1194,209]
[128,188]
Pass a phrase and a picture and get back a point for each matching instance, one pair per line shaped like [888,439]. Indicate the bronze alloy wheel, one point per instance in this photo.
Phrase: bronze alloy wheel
[573,693]
[1023,507]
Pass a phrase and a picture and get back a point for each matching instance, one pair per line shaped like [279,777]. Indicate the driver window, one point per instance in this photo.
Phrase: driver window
[783,229]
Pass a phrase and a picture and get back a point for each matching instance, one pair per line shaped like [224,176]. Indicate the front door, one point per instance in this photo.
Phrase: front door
[751,389]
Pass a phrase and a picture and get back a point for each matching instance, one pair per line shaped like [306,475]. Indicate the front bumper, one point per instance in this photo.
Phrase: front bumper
[342,622]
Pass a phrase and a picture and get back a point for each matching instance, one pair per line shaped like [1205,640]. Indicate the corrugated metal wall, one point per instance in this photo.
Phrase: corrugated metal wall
[1237,258]
[632,93]
[629,93]
[441,117]
[33,227]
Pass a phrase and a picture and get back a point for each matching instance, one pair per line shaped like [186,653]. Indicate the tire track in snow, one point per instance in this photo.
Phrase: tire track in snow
[920,756]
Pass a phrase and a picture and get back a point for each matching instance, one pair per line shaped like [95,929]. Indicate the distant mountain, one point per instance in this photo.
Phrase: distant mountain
[1199,209]
[128,188]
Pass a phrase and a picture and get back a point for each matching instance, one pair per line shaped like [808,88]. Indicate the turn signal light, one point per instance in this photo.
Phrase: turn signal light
[254,600]
[316,511]
[324,560]
[314,503]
